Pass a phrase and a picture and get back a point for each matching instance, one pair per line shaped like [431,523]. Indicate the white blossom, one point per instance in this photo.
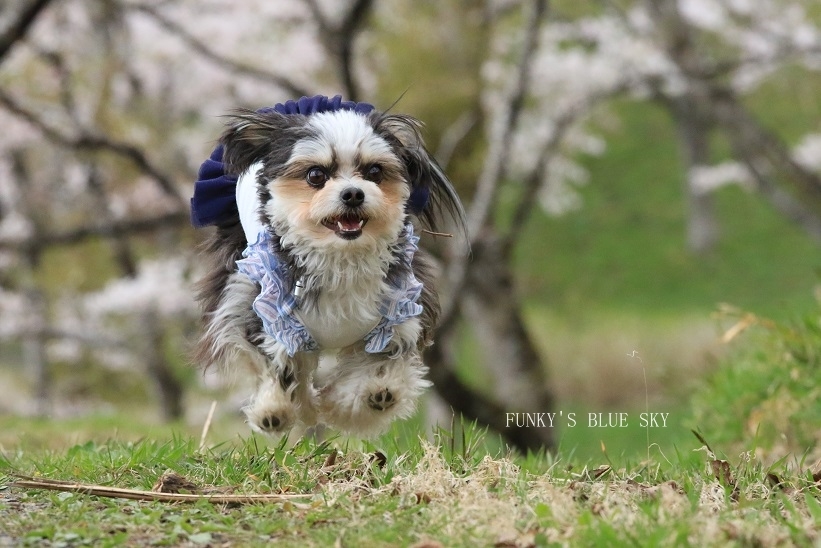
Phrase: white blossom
[706,179]
[807,152]
[706,14]
[16,318]
[160,285]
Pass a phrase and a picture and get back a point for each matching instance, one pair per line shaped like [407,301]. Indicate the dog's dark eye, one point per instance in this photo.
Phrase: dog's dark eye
[373,173]
[316,176]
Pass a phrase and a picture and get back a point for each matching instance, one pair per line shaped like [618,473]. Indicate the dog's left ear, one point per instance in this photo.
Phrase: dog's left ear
[432,194]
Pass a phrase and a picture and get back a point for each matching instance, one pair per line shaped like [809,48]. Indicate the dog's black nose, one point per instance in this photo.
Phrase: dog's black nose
[352,196]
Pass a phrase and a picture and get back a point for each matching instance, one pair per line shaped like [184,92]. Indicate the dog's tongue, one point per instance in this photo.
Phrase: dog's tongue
[348,227]
[349,223]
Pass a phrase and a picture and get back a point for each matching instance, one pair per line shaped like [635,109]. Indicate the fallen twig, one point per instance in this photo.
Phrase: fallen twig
[27,482]
[207,425]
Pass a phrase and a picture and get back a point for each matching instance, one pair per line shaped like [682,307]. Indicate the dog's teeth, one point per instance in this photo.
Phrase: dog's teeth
[339,224]
[361,222]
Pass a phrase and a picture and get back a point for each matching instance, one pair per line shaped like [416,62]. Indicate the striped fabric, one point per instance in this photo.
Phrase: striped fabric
[401,303]
[276,306]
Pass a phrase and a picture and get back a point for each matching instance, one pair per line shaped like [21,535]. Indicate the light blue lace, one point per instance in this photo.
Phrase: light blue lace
[276,306]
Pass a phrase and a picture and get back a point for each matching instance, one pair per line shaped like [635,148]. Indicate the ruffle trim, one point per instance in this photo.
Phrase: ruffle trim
[276,306]
[401,303]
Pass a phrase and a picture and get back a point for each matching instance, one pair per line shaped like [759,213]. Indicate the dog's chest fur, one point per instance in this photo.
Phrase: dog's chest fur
[343,297]
[342,316]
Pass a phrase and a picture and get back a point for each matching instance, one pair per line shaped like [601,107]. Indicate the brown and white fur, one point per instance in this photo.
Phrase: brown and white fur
[318,178]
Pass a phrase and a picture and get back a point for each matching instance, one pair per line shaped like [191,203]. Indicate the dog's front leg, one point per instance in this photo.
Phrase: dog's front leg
[284,395]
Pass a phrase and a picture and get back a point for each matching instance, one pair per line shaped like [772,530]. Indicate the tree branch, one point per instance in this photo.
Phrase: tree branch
[114,229]
[495,162]
[352,25]
[527,200]
[203,49]
[338,41]
[20,25]
[319,17]
[499,147]
[26,482]
[51,333]
[756,145]
[453,136]
[120,244]
[86,141]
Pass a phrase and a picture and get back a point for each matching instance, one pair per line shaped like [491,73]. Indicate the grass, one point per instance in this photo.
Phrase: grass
[623,252]
[598,284]
[769,396]
[752,478]
[424,494]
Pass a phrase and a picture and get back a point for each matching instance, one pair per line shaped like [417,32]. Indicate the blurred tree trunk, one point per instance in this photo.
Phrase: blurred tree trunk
[693,129]
[482,293]
[690,113]
[791,189]
[34,346]
[35,356]
[488,306]
[491,308]
[168,387]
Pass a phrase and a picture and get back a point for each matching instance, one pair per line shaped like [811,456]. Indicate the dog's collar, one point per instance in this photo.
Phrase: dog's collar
[276,305]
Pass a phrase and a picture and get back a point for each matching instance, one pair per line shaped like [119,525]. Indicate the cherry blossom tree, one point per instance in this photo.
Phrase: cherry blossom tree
[543,88]
[109,106]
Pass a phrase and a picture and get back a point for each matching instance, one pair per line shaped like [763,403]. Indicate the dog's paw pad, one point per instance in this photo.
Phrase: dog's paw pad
[381,400]
[271,424]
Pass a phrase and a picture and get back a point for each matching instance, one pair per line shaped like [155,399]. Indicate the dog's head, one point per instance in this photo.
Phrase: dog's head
[338,179]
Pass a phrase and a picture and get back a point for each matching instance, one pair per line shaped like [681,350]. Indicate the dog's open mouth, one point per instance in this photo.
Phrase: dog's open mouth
[348,227]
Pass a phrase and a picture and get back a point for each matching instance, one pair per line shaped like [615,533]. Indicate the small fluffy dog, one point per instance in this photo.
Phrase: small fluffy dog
[316,204]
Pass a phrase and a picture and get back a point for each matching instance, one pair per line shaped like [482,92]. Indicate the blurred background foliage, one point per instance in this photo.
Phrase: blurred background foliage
[108,106]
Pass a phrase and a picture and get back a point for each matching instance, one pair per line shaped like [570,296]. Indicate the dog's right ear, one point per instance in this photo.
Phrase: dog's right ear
[433,197]
[252,136]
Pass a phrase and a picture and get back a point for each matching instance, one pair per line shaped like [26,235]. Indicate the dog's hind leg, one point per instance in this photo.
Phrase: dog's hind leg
[270,409]
[365,392]
[285,396]
[234,342]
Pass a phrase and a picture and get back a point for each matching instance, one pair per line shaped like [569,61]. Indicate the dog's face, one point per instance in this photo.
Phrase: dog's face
[342,185]
[333,180]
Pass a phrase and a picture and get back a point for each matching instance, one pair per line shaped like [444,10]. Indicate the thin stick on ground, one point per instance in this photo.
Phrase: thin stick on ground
[207,426]
[27,482]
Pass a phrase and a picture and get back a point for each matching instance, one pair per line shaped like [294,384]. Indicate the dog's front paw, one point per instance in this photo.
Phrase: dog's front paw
[270,411]
[381,400]
[364,393]
[271,421]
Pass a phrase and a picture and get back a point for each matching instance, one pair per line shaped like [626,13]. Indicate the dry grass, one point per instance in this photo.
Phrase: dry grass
[498,503]
[602,361]
[427,496]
